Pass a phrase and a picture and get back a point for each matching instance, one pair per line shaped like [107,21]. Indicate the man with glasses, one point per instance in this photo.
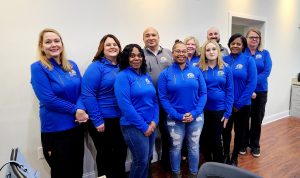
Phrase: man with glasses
[214,34]
[157,59]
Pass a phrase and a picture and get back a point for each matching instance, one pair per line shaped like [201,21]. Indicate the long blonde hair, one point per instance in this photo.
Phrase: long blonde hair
[203,62]
[42,56]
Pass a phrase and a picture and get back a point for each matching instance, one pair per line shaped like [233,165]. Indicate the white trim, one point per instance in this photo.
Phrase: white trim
[276,117]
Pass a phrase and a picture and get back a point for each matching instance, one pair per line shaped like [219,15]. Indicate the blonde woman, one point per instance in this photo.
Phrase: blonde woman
[56,82]
[219,83]
[193,50]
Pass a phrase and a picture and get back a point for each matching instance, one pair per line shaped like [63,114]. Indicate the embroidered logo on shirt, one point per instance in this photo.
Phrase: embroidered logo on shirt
[239,66]
[220,73]
[163,59]
[147,81]
[72,73]
[195,64]
[258,56]
[190,75]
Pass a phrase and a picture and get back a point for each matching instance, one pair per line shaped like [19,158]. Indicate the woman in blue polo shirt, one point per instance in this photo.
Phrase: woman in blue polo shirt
[56,82]
[219,83]
[136,97]
[244,81]
[193,50]
[100,101]
[182,92]
[259,97]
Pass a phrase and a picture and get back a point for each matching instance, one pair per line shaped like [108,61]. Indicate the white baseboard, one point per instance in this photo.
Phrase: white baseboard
[276,117]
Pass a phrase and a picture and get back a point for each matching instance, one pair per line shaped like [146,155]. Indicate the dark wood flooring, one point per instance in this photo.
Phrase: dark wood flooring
[280,152]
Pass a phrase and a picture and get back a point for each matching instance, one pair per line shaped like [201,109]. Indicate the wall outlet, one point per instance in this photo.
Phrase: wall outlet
[40,153]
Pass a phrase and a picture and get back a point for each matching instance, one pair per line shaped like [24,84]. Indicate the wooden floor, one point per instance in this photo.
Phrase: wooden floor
[280,152]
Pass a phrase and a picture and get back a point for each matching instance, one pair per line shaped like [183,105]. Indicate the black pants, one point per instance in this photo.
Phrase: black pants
[163,141]
[239,119]
[111,148]
[257,115]
[64,152]
[212,136]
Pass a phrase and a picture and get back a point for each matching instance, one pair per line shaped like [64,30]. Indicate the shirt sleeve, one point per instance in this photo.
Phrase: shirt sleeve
[261,77]
[155,103]
[250,85]
[43,90]
[90,85]
[122,92]
[164,99]
[202,92]
[229,90]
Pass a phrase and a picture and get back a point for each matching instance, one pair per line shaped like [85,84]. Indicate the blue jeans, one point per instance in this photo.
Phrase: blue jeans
[191,132]
[141,148]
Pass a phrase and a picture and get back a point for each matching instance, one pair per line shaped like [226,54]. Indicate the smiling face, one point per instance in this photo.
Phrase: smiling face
[135,59]
[213,34]
[52,45]
[111,48]
[211,52]
[180,53]
[151,38]
[236,46]
[191,47]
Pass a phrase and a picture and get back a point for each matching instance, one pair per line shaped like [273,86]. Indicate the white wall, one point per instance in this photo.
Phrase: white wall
[83,23]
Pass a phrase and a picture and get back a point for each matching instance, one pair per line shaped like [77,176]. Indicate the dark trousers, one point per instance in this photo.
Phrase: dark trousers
[163,141]
[212,136]
[64,152]
[239,119]
[257,115]
[111,148]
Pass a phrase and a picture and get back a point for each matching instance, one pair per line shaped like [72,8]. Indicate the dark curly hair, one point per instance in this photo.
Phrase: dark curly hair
[124,63]
[235,36]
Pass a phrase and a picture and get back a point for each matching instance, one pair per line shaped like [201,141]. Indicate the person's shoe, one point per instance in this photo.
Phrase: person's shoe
[192,175]
[234,162]
[226,159]
[243,151]
[176,175]
[255,152]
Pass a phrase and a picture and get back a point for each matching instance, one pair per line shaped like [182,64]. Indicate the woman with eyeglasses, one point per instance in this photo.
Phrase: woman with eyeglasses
[136,97]
[100,101]
[193,57]
[182,93]
[263,63]
[244,81]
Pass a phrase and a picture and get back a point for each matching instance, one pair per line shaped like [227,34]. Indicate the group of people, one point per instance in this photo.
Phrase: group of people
[126,94]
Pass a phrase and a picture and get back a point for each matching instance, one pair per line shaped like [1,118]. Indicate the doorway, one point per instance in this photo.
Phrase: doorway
[241,23]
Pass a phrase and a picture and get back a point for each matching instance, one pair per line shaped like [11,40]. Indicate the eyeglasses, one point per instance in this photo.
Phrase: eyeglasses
[254,37]
[132,55]
[178,51]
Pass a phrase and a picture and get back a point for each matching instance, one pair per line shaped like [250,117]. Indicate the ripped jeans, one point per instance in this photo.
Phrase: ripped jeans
[191,131]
